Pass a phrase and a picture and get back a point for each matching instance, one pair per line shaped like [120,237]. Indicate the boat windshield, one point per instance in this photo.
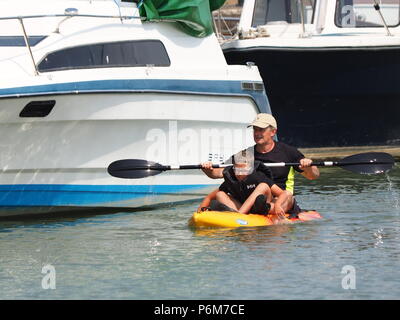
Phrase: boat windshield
[361,13]
[282,11]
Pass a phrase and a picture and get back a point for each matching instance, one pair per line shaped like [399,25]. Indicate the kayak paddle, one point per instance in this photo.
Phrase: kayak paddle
[363,163]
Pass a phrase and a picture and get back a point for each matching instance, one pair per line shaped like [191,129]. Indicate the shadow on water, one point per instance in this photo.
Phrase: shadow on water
[75,217]
[54,220]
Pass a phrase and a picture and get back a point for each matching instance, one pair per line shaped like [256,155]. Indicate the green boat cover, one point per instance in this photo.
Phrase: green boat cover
[193,16]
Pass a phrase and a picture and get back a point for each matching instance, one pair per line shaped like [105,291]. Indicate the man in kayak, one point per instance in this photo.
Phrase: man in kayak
[268,150]
[248,187]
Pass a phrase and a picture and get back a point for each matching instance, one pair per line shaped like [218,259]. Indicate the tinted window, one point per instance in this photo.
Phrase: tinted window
[111,54]
[19,41]
[282,10]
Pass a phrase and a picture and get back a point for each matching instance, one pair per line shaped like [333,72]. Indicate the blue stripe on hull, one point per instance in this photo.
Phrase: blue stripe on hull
[85,195]
[208,87]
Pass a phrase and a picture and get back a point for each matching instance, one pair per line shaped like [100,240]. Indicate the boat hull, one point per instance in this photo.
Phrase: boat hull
[18,199]
[330,97]
[60,161]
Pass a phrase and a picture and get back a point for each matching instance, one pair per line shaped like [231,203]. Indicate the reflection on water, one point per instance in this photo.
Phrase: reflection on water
[276,234]
[153,254]
[252,238]
[251,234]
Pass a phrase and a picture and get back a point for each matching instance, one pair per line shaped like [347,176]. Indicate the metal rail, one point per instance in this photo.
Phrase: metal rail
[378,8]
[70,15]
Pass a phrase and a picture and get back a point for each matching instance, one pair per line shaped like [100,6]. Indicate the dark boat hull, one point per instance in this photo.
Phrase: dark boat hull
[330,97]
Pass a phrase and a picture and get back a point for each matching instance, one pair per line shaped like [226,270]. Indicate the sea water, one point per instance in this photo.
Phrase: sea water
[353,253]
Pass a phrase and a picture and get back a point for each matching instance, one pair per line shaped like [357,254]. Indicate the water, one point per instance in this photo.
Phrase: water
[155,255]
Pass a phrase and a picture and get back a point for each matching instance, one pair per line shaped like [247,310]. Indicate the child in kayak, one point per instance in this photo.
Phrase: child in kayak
[247,188]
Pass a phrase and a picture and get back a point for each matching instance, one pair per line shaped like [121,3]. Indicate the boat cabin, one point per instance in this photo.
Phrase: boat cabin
[319,16]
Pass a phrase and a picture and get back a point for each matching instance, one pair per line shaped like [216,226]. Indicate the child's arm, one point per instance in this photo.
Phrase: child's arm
[282,198]
[262,188]
[207,200]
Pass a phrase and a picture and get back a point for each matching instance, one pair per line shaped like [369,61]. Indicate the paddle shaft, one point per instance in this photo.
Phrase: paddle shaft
[326,163]
[363,163]
[272,164]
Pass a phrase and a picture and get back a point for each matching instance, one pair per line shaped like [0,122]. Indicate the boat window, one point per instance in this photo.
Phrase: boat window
[19,41]
[284,11]
[111,54]
[361,13]
[37,109]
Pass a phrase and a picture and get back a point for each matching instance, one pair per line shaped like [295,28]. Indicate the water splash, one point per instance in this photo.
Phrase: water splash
[153,246]
[378,237]
[394,192]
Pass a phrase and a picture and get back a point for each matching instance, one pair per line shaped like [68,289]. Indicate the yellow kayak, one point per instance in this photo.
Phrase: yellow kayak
[228,219]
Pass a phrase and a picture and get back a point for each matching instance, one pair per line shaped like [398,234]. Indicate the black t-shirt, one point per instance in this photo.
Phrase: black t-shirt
[242,189]
[283,176]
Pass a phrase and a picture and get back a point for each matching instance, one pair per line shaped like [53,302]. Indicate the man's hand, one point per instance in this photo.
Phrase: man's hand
[213,173]
[207,165]
[305,163]
[309,171]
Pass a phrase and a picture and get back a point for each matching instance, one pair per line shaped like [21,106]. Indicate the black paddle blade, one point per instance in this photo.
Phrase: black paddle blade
[368,163]
[134,168]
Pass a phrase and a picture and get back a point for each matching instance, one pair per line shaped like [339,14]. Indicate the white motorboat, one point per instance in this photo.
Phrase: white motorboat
[85,83]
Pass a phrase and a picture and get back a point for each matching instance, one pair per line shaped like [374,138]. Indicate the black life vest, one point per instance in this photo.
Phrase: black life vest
[242,189]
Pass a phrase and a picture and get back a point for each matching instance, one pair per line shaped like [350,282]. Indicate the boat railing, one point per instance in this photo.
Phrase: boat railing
[226,28]
[69,13]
